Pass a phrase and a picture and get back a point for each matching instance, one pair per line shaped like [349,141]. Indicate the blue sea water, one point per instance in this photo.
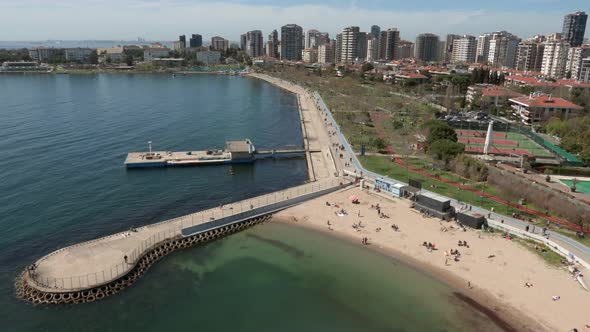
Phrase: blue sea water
[63,140]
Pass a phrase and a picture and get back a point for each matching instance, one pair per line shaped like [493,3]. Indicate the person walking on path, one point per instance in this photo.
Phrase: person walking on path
[125,258]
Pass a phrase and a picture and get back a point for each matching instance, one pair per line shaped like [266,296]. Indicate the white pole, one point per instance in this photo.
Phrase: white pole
[150,146]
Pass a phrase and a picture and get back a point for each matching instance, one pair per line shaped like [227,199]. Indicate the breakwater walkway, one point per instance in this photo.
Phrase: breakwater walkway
[79,273]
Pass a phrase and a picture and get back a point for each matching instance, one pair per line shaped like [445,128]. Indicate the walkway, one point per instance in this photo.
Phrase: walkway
[576,248]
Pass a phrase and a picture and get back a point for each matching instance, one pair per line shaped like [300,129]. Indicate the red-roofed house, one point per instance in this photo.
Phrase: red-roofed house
[408,76]
[490,95]
[540,107]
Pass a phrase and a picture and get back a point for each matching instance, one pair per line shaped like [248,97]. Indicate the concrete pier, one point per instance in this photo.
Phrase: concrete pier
[91,270]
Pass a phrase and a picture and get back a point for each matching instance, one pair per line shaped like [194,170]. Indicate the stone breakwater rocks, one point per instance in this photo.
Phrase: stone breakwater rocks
[27,290]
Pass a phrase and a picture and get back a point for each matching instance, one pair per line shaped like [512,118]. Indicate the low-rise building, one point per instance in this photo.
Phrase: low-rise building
[539,107]
[149,54]
[80,55]
[22,66]
[585,71]
[309,55]
[168,62]
[489,95]
[110,54]
[209,57]
[405,78]
[41,54]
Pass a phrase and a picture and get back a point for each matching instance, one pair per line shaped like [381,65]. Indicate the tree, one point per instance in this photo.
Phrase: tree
[445,150]
[366,67]
[129,60]
[93,57]
[441,131]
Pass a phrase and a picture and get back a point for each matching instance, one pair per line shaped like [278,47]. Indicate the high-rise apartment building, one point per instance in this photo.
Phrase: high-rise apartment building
[448,47]
[325,53]
[196,41]
[426,48]
[254,43]
[372,48]
[483,48]
[502,50]
[182,40]
[310,38]
[406,49]
[389,44]
[574,27]
[272,45]
[555,59]
[361,47]
[338,48]
[349,44]
[219,44]
[529,56]
[584,76]
[376,31]
[575,56]
[291,42]
[243,42]
[463,49]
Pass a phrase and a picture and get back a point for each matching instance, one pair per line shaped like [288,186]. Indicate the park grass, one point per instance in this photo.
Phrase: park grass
[385,166]
[549,256]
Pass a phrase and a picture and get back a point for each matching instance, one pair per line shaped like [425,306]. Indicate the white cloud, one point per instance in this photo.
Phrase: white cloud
[166,19]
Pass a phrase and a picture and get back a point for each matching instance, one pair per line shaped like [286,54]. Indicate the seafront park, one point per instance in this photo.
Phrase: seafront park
[493,276]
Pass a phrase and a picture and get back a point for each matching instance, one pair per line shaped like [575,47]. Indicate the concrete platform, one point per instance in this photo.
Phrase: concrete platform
[171,158]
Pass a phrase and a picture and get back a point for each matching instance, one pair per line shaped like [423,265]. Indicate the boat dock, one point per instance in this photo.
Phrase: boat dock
[234,152]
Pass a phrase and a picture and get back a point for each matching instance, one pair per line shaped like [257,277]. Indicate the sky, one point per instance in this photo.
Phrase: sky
[35,20]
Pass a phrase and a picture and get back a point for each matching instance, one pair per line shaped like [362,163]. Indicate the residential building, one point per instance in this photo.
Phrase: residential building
[529,56]
[376,31]
[182,40]
[338,48]
[483,48]
[539,107]
[209,57]
[426,48]
[448,47]
[406,49]
[310,38]
[149,54]
[291,42]
[254,43]
[196,41]
[574,27]
[556,37]
[489,95]
[177,45]
[464,49]
[372,48]
[555,59]
[584,76]
[325,54]
[80,55]
[41,54]
[349,47]
[110,54]
[319,39]
[361,45]
[219,44]
[309,55]
[574,61]
[502,50]
[272,45]
[389,44]
[243,42]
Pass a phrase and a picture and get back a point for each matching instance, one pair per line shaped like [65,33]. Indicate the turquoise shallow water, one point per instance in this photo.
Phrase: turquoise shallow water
[63,140]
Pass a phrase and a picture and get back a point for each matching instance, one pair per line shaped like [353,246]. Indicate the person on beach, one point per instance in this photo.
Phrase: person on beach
[125,258]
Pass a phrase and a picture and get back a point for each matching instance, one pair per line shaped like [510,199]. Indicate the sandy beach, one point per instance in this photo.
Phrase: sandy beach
[497,283]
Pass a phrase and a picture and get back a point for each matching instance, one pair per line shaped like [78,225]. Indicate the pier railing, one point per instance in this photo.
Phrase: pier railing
[165,231]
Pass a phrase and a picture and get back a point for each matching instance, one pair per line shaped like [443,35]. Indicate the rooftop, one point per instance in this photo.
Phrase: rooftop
[545,101]
[239,146]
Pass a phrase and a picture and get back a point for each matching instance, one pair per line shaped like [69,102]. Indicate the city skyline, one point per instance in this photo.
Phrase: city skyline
[231,18]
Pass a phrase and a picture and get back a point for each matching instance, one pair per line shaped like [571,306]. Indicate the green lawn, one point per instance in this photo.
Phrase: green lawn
[385,166]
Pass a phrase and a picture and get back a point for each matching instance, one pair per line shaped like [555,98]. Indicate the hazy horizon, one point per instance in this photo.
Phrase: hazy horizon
[164,20]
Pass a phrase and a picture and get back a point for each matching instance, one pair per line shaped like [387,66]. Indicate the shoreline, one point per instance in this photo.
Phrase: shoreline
[492,272]
[505,317]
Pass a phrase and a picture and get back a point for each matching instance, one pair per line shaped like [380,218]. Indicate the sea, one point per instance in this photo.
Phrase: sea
[63,141]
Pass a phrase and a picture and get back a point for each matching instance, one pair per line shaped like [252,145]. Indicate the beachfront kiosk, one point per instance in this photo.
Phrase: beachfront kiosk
[240,151]
[472,219]
[392,188]
[435,205]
